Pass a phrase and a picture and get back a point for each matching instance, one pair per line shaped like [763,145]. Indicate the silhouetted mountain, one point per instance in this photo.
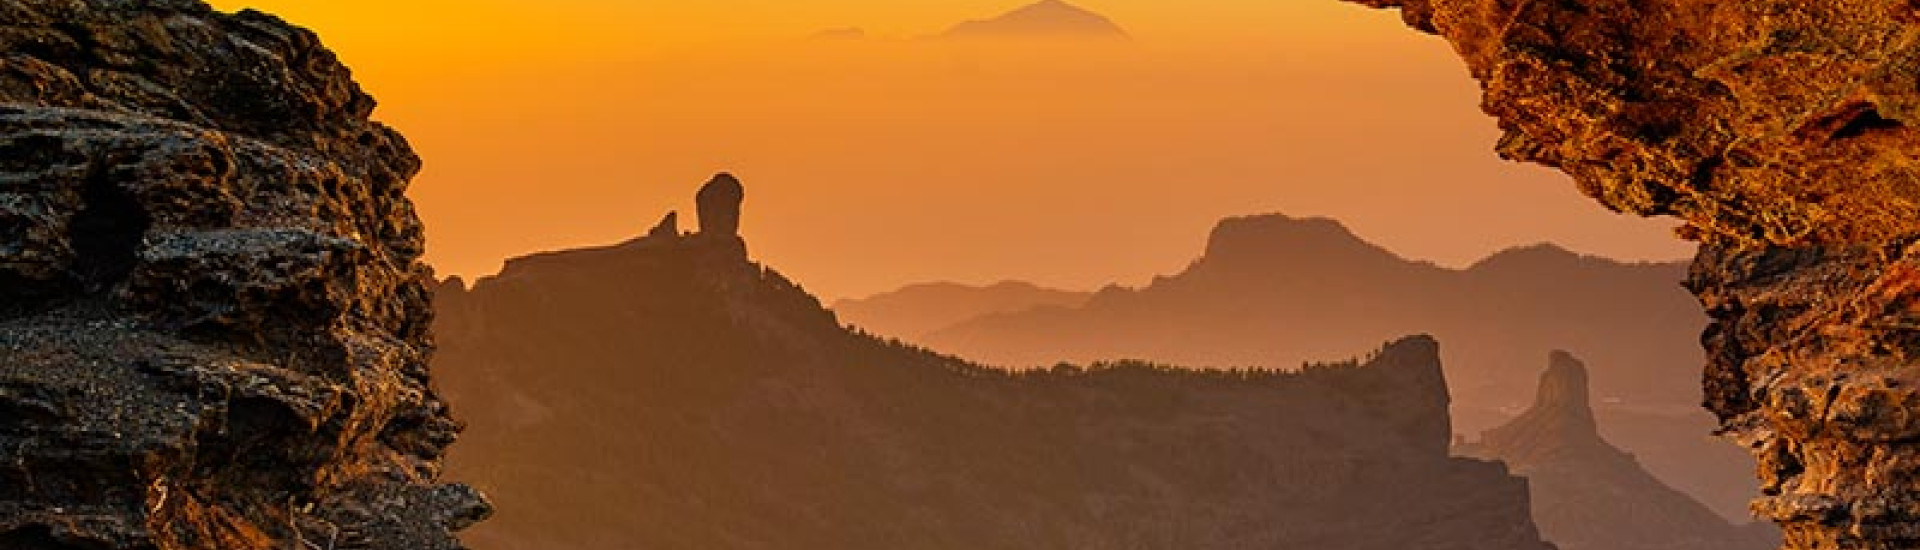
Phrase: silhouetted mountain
[1046,19]
[913,311]
[669,393]
[1588,495]
[1276,291]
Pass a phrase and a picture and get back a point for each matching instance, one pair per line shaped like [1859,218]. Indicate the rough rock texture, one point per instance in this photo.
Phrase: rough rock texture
[707,402]
[1587,494]
[213,320]
[1782,133]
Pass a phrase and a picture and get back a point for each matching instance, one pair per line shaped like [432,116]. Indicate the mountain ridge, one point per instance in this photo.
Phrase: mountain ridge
[1275,291]
[738,395]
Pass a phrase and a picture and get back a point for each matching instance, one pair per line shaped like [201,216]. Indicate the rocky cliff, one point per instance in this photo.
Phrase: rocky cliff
[213,318]
[1782,133]
[667,392]
[1587,494]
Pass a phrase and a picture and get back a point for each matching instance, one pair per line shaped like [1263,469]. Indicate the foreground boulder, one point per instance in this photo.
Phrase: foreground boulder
[212,311]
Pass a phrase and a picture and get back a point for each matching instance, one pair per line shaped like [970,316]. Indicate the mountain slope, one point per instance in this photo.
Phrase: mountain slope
[669,393]
[913,311]
[1587,494]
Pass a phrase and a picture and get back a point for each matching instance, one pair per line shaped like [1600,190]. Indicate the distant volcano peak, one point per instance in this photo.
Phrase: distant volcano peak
[1044,19]
[1261,240]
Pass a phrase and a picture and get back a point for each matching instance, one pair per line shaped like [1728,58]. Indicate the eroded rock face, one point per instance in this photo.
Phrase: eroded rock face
[1781,132]
[213,318]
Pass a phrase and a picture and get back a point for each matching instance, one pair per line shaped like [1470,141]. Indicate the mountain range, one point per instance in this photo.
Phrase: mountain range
[1275,291]
[668,392]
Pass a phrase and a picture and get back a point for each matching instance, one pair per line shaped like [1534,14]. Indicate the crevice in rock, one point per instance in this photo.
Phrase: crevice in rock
[1867,121]
[1852,121]
[106,233]
[40,537]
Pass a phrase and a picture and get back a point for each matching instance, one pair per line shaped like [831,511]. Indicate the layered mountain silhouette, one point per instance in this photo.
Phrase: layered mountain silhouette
[1589,495]
[915,311]
[668,392]
[1048,19]
[1276,291]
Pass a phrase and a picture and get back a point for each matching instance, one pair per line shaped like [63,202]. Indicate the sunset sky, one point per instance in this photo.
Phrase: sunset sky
[871,164]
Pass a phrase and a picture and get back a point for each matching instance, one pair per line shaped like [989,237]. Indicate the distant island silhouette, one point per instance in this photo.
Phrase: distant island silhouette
[1045,19]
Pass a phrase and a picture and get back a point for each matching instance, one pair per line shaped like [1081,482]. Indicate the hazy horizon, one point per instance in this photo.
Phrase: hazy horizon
[883,162]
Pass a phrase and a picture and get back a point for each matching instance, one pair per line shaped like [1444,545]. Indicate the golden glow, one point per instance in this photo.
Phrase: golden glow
[871,164]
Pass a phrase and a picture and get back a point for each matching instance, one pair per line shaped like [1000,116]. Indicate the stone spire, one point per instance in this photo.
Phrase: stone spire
[719,206]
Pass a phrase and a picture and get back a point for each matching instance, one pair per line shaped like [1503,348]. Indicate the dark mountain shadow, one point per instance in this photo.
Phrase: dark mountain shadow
[668,392]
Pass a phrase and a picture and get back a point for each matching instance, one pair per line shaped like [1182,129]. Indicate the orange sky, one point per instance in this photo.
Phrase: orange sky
[872,164]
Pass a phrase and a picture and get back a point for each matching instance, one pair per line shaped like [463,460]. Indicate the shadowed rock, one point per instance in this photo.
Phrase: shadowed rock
[669,227]
[213,314]
[719,203]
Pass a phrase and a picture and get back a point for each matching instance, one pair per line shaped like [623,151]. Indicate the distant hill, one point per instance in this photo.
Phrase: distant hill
[1046,19]
[1587,494]
[913,311]
[668,392]
[1276,291]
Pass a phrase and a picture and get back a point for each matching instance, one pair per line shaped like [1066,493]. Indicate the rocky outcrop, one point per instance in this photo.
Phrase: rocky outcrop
[669,226]
[719,203]
[707,402]
[213,318]
[1782,133]
[1587,494]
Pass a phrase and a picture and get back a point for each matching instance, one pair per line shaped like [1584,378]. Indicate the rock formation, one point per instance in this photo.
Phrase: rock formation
[704,401]
[719,204]
[1782,133]
[668,227]
[1587,494]
[213,317]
